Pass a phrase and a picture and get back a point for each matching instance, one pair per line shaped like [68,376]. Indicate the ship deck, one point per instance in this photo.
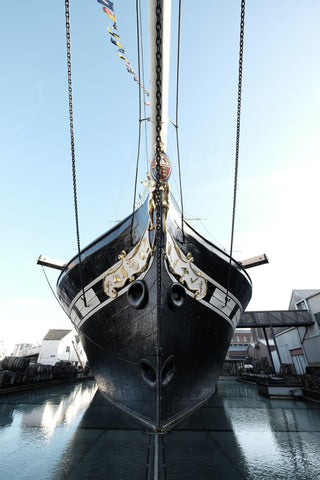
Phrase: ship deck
[69,432]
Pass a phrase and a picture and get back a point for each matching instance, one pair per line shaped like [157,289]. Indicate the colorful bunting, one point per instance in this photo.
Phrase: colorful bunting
[107,4]
[122,57]
[109,13]
[118,44]
[115,35]
[115,39]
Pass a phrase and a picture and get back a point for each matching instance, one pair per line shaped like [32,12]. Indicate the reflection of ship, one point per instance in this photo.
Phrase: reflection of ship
[207,436]
[50,414]
[155,304]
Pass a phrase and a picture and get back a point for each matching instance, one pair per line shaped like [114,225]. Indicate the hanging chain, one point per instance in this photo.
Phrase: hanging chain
[74,178]
[158,151]
[157,193]
[235,184]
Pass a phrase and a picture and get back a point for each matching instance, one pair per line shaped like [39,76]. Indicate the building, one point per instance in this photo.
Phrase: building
[26,350]
[259,355]
[288,348]
[61,345]
[237,355]
[238,349]
[300,347]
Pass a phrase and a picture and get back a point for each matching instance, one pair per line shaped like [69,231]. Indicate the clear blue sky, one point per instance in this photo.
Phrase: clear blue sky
[278,199]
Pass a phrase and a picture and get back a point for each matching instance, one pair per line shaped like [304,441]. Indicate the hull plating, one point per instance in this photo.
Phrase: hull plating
[158,361]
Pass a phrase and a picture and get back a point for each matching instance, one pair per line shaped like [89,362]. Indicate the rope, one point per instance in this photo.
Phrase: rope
[74,178]
[243,5]
[176,125]
[53,292]
[144,95]
[139,134]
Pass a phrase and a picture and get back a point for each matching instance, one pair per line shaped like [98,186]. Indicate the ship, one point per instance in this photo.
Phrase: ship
[155,303]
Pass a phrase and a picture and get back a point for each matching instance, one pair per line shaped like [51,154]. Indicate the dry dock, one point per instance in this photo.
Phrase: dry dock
[68,432]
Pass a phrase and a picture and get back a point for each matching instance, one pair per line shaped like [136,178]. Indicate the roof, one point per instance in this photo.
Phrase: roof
[301,295]
[56,334]
[237,348]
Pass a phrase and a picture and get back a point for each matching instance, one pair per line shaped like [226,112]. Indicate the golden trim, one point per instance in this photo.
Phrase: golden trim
[128,266]
[182,266]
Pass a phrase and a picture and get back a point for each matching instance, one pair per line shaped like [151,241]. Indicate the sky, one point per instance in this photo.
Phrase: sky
[279,168]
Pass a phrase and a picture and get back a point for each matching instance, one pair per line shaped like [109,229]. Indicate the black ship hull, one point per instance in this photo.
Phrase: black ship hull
[155,342]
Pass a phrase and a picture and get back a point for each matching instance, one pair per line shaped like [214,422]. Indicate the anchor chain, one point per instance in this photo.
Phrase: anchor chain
[158,153]
[158,199]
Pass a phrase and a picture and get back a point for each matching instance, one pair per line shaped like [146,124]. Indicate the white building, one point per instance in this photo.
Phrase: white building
[300,346]
[25,349]
[62,345]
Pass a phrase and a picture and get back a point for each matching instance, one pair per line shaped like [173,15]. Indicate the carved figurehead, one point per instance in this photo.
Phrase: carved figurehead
[165,171]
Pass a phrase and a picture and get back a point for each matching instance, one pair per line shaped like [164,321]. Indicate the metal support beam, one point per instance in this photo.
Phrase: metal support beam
[269,349]
[51,262]
[254,261]
[276,345]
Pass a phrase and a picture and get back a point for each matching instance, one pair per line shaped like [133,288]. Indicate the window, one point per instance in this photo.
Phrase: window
[238,339]
[244,338]
[68,349]
[301,305]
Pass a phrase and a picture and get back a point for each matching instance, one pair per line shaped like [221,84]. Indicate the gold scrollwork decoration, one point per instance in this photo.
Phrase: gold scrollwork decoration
[128,266]
[182,266]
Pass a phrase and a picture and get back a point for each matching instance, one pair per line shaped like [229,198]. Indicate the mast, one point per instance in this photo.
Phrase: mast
[165,60]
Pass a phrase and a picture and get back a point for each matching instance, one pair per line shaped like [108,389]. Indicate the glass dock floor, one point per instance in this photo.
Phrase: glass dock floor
[68,432]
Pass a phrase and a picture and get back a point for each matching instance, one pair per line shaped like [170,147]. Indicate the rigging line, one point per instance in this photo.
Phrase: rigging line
[177,109]
[139,139]
[243,6]
[144,95]
[214,240]
[53,292]
[74,177]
